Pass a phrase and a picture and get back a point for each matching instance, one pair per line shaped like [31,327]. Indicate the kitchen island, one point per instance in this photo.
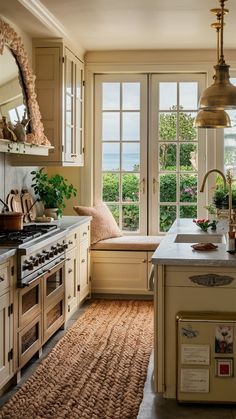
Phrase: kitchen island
[193,284]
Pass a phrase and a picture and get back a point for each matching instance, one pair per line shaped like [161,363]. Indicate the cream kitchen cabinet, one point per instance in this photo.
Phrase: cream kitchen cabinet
[6,322]
[77,269]
[60,93]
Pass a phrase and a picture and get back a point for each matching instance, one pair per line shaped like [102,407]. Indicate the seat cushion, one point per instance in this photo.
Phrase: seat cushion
[146,243]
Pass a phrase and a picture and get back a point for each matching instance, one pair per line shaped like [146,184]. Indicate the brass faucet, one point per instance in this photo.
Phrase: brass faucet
[226,179]
[206,176]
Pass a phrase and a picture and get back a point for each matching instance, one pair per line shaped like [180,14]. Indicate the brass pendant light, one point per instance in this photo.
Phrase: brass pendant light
[214,118]
[208,118]
[221,94]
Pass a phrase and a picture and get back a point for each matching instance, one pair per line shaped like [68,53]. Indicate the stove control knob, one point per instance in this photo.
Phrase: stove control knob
[54,250]
[28,265]
[41,257]
[65,245]
[35,260]
[61,248]
[47,254]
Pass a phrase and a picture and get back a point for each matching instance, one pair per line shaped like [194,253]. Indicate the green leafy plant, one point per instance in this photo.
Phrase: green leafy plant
[52,191]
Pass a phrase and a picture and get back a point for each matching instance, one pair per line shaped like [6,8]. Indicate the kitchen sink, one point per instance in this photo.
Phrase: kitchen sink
[200,238]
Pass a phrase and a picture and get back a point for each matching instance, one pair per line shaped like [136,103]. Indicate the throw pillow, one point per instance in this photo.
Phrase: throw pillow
[103,224]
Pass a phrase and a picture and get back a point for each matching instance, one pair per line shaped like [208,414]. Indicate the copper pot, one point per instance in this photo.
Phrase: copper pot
[11,221]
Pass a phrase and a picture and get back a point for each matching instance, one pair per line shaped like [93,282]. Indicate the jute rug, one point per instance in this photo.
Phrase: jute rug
[96,371]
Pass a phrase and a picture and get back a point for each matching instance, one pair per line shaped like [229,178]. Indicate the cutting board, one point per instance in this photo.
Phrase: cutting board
[14,201]
[28,206]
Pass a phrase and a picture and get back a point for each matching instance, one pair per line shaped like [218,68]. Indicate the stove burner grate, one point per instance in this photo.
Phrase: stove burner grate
[29,232]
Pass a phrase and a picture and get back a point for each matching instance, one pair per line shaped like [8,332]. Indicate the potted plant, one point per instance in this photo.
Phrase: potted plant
[52,191]
[220,197]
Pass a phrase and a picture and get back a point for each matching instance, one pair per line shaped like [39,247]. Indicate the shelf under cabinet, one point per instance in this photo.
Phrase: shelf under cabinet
[7,146]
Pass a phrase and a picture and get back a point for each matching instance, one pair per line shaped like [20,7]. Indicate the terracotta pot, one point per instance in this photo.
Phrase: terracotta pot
[11,221]
[51,212]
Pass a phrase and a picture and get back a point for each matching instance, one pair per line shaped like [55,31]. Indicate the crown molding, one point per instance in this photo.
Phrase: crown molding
[41,12]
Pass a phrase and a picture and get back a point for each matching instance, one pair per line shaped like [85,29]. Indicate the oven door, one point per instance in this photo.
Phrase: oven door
[54,300]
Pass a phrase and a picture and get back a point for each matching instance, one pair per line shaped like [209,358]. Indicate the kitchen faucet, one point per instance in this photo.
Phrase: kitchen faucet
[226,179]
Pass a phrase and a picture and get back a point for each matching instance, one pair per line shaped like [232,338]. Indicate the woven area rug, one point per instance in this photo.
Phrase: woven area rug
[96,371]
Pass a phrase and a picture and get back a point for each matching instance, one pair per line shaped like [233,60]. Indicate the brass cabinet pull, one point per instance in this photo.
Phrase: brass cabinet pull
[85,233]
[83,260]
[69,297]
[70,270]
[144,260]
[2,279]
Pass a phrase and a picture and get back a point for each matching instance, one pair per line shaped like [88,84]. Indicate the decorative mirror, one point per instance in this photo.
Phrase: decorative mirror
[17,72]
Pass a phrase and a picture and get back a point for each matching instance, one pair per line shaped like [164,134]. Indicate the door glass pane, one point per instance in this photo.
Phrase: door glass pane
[167,95]
[230,143]
[30,299]
[187,131]
[188,188]
[131,126]
[110,96]
[167,156]
[130,217]
[110,126]
[167,217]
[188,157]
[167,126]
[130,187]
[110,157]
[115,211]
[69,76]
[110,187]
[188,95]
[54,314]
[168,188]
[53,281]
[189,211]
[130,156]
[29,337]
[130,96]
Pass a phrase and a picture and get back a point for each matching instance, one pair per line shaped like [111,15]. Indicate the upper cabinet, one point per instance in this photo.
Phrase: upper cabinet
[60,91]
[21,128]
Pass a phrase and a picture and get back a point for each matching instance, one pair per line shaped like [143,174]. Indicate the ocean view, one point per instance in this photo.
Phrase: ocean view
[111,161]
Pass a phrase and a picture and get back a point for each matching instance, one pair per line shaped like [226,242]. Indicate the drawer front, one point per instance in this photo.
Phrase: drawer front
[5,275]
[84,232]
[202,276]
[29,341]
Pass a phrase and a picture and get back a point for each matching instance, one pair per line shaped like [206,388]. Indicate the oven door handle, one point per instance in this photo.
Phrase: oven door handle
[48,271]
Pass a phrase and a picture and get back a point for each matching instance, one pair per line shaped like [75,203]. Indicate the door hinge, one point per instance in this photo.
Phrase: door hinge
[78,287]
[63,60]
[83,83]
[12,270]
[10,355]
[10,309]
[62,148]
[90,279]
[83,150]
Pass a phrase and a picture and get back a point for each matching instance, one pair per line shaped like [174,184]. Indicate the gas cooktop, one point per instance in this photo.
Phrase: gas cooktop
[29,232]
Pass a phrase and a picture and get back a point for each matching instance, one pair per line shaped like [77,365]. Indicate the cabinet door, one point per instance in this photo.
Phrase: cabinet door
[73,105]
[84,269]
[71,274]
[5,327]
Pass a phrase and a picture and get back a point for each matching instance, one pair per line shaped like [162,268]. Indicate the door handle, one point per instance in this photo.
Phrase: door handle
[154,184]
[142,185]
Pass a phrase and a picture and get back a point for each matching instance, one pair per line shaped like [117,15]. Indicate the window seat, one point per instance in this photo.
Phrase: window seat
[131,243]
[123,265]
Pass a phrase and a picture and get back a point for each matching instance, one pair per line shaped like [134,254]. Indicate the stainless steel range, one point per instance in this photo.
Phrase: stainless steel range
[40,248]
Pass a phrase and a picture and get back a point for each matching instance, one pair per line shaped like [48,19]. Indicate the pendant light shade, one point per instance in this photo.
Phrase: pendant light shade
[221,94]
[208,118]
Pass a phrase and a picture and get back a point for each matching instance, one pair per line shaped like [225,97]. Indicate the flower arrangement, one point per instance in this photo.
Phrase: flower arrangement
[204,224]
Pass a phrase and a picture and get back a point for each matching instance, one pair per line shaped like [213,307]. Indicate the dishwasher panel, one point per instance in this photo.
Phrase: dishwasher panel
[206,350]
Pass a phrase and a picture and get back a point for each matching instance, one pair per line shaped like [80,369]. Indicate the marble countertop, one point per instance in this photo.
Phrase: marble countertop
[69,222]
[171,252]
[6,253]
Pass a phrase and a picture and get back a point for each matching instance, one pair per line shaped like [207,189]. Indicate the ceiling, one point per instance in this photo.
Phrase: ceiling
[124,24]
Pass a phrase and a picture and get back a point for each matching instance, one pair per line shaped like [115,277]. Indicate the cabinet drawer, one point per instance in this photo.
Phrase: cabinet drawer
[202,276]
[5,275]
[84,232]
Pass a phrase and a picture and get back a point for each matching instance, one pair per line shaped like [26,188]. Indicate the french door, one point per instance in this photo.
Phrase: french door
[147,149]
